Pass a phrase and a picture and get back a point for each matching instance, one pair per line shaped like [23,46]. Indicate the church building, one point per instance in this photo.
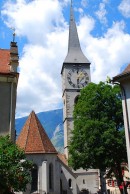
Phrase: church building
[51,173]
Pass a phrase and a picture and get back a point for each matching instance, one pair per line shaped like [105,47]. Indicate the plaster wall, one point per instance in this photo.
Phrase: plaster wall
[43,161]
[5,91]
[126,114]
[88,180]
[7,108]
[81,179]
[65,176]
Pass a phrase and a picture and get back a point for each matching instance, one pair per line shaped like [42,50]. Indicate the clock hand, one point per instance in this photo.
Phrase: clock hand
[81,78]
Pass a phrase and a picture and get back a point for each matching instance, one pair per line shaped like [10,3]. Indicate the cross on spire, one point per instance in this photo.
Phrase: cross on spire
[14,34]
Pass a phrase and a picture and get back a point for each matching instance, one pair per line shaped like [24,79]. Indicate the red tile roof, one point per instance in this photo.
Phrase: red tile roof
[63,158]
[4,61]
[33,138]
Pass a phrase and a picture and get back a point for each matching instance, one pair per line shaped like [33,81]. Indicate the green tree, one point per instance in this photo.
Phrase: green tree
[98,139]
[14,168]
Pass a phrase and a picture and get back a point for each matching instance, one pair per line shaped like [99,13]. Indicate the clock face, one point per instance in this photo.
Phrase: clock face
[78,78]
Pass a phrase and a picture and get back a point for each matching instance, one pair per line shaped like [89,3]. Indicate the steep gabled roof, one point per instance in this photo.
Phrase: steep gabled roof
[33,138]
[4,61]
[75,54]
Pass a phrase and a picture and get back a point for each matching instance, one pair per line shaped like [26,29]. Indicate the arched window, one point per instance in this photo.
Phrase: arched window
[34,174]
[51,176]
[70,183]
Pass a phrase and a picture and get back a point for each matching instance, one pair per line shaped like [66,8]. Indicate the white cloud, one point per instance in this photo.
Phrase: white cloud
[46,30]
[84,3]
[101,13]
[34,20]
[124,8]
[44,27]
[107,54]
[105,1]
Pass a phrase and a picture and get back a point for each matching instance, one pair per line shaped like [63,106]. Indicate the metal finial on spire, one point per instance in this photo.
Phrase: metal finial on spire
[14,34]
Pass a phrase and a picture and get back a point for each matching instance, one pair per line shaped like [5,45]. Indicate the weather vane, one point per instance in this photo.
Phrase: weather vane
[14,34]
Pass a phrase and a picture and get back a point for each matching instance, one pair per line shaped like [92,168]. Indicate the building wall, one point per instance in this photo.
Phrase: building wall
[8,88]
[67,176]
[70,93]
[126,113]
[63,176]
[43,161]
[88,180]
[112,186]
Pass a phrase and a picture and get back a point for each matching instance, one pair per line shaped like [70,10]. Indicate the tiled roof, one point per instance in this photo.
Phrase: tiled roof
[63,158]
[4,61]
[33,138]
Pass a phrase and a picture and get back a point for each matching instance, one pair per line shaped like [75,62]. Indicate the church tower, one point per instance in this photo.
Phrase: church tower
[8,89]
[75,75]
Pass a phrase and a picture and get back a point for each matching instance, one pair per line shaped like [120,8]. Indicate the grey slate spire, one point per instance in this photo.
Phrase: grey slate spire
[75,54]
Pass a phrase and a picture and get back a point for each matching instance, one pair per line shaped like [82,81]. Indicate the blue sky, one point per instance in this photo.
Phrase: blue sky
[42,35]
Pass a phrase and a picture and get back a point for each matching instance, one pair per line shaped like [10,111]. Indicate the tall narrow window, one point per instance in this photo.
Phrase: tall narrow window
[61,189]
[34,174]
[51,176]
[76,99]
[70,183]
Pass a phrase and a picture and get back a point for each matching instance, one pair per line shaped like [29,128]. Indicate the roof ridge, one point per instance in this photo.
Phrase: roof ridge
[34,138]
[28,130]
[41,132]
[4,49]
[38,122]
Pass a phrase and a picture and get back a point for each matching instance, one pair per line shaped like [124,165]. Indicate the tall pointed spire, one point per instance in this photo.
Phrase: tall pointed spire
[75,54]
[73,34]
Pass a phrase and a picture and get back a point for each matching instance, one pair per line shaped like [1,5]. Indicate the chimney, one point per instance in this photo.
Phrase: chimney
[14,58]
